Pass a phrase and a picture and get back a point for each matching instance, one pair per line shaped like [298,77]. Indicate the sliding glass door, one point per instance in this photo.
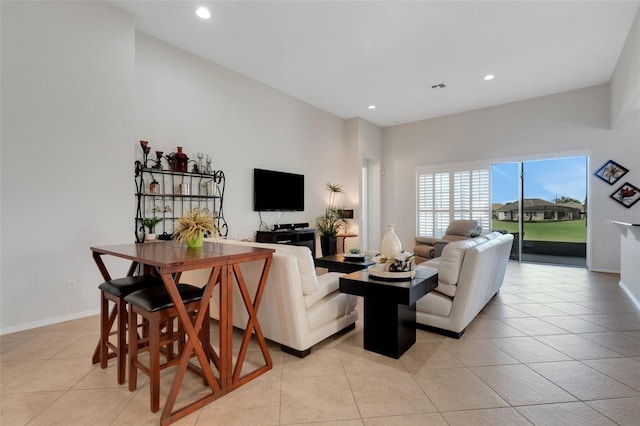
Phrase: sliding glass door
[543,203]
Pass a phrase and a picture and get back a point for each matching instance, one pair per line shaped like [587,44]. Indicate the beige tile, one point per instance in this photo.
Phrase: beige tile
[504,311]
[44,347]
[315,399]
[612,322]
[388,395]
[528,349]
[19,408]
[568,413]
[428,355]
[45,375]
[583,381]
[619,306]
[357,422]
[486,417]
[519,385]
[137,413]
[578,347]
[357,360]
[625,412]
[571,308]
[625,370]
[618,342]
[432,419]
[489,327]
[574,324]
[234,409]
[534,326]
[84,407]
[475,353]
[319,363]
[452,389]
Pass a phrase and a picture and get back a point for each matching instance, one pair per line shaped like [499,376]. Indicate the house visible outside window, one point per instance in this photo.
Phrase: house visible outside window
[450,192]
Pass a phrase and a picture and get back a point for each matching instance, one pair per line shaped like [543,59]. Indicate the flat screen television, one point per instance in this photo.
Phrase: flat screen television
[277,191]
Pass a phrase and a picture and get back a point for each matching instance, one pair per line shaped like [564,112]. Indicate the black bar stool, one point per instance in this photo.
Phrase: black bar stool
[155,306]
[114,291]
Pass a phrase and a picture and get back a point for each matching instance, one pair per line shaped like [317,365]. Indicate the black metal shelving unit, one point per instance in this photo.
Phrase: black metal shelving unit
[167,202]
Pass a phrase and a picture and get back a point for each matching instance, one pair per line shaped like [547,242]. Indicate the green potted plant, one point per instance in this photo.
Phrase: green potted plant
[193,226]
[150,223]
[329,224]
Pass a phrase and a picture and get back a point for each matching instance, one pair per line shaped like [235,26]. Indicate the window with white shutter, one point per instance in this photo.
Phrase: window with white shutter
[462,192]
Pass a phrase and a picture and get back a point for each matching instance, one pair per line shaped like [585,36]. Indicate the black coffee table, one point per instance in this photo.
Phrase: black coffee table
[389,309]
[338,263]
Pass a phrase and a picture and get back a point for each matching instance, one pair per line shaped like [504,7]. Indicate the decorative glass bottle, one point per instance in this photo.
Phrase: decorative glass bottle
[180,160]
[390,246]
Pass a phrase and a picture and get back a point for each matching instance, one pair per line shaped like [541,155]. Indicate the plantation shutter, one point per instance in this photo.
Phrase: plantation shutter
[450,195]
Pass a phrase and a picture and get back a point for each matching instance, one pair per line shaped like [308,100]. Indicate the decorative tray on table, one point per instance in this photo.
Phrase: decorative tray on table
[391,276]
[354,257]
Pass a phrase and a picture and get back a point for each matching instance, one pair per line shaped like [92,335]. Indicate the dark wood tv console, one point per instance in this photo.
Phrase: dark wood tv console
[299,237]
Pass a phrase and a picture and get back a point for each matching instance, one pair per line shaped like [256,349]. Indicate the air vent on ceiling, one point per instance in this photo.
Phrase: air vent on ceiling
[438,86]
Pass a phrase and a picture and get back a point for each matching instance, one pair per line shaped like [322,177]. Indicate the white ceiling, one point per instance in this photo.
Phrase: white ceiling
[342,56]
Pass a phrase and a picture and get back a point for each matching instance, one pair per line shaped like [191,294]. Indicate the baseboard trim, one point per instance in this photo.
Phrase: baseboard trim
[631,296]
[448,333]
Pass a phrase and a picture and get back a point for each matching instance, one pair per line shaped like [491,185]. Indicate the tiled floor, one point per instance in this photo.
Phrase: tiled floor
[557,346]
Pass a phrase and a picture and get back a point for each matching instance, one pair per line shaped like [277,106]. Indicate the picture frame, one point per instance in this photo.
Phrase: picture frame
[627,195]
[611,172]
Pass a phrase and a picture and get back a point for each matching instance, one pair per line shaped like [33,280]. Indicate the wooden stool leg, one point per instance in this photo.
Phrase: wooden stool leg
[133,350]
[121,305]
[104,331]
[154,362]
[205,336]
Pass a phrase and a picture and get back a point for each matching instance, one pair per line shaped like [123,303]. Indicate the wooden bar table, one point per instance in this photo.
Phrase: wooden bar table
[169,260]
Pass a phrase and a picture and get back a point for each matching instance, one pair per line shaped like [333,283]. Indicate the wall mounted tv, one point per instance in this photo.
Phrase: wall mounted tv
[277,191]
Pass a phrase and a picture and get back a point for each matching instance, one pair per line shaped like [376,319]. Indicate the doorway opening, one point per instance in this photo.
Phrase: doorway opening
[543,203]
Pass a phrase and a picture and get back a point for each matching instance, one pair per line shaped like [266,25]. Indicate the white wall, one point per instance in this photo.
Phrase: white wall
[625,82]
[67,70]
[80,88]
[366,142]
[566,122]
[184,100]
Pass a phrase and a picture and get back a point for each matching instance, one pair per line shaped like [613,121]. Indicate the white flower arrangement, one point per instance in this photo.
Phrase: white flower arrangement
[401,262]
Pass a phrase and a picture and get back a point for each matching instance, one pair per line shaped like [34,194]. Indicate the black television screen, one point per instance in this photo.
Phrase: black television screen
[277,191]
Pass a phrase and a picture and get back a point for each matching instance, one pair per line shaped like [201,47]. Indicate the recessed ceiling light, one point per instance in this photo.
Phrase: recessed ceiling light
[371,107]
[489,77]
[203,13]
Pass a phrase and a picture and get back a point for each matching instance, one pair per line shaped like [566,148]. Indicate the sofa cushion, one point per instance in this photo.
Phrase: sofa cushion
[451,261]
[334,305]
[423,251]
[435,303]
[327,283]
[462,227]
[306,267]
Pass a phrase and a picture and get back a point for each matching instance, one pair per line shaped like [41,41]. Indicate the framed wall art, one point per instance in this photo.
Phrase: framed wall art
[611,172]
[627,195]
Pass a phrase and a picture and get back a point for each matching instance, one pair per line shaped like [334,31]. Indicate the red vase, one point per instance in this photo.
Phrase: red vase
[180,160]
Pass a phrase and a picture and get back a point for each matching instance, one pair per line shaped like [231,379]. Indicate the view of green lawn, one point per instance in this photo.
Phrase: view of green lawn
[574,231]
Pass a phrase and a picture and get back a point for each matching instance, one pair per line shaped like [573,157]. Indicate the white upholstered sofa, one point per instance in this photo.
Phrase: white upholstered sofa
[298,308]
[470,273]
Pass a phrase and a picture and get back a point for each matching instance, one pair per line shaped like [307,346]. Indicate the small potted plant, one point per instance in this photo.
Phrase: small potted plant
[150,223]
[328,226]
[193,226]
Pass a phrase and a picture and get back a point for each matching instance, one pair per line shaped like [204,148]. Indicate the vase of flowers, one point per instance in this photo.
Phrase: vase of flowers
[193,226]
